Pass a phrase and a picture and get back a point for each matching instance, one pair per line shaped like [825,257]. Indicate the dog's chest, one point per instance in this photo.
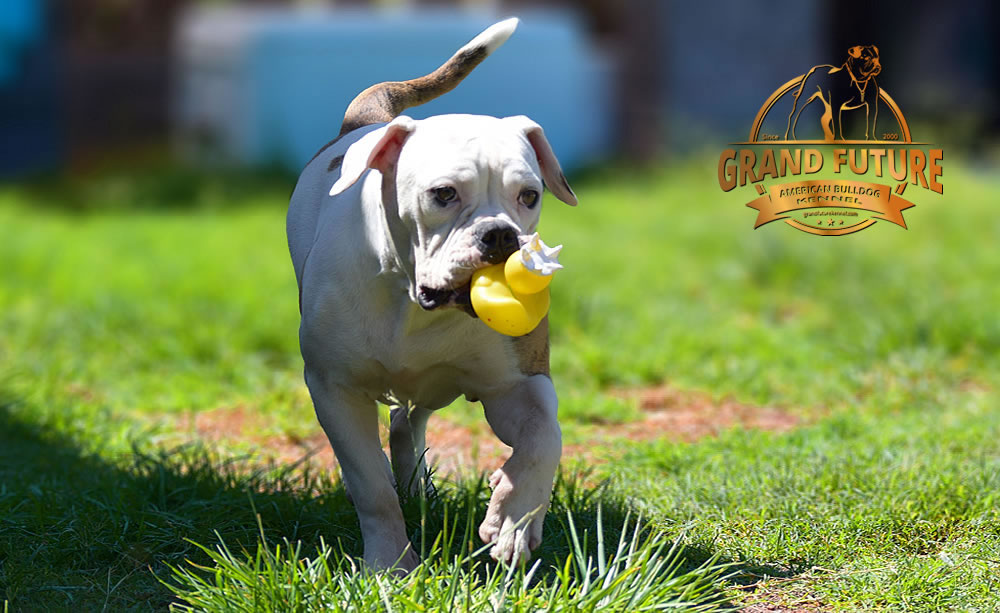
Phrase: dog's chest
[434,365]
[431,387]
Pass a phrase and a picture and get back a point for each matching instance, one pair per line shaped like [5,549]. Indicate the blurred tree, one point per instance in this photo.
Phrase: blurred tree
[630,31]
[115,54]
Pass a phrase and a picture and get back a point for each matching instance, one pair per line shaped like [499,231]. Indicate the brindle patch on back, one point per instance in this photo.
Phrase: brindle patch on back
[383,102]
[532,350]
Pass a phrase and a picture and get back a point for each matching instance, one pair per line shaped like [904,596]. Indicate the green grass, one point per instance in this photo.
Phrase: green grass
[130,303]
[899,511]
[139,530]
[637,571]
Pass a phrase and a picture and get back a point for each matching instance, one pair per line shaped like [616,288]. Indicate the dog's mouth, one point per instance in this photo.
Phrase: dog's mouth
[430,298]
[459,297]
[868,68]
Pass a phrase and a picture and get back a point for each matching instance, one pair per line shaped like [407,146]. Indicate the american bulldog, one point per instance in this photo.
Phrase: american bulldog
[386,226]
[849,86]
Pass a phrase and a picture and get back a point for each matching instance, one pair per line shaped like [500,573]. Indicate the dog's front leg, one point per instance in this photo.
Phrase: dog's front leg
[350,421]
[874,109]
[525,419]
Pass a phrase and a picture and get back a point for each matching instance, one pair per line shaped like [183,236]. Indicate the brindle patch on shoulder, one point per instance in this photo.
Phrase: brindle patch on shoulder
[532,350]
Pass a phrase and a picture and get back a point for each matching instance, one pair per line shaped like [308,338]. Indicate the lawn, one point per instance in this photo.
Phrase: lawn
[131,304]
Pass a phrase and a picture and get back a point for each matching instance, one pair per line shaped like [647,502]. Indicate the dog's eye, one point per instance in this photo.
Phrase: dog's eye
[528,198]
[445,195]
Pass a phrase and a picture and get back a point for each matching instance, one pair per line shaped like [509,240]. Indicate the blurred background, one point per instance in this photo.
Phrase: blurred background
[792,402]
[265,83]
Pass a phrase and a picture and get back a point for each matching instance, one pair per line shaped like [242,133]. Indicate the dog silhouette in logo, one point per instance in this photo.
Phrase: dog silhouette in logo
[841,88]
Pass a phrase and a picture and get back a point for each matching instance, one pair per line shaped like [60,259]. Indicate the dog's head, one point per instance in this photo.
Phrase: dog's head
[465,189]
[863,62]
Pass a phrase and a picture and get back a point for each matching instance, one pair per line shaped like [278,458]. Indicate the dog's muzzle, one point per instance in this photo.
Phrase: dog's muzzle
[496,241]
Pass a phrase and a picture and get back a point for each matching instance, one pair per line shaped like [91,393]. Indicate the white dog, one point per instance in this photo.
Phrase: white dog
[385,227]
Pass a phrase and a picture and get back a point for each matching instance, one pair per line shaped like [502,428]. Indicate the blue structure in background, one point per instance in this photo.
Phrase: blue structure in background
[723,59]
[20,26]
[272,87]
[29,109]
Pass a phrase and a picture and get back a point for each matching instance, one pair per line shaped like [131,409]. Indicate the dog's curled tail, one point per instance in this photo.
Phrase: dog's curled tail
[383,102]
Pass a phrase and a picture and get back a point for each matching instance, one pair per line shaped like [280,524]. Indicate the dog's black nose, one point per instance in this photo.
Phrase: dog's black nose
[496,242]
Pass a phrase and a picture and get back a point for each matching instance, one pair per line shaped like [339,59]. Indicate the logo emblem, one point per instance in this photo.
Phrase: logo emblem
[827,123]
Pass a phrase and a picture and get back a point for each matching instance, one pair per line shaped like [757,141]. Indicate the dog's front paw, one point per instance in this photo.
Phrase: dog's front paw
[514,519]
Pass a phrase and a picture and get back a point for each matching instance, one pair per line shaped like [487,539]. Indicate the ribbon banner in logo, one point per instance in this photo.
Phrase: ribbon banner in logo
[783,200]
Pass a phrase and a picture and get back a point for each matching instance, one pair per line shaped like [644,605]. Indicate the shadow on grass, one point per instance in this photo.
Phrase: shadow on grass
[79,530]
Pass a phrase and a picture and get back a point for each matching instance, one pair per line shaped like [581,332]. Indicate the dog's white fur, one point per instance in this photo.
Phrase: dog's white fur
[363,242]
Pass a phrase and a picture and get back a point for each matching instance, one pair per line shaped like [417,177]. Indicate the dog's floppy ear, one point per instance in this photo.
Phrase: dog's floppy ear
[547,162]
[855,51]
[378,150]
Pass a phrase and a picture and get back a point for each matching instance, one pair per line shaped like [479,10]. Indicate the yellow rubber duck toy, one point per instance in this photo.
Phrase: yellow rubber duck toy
[513,297]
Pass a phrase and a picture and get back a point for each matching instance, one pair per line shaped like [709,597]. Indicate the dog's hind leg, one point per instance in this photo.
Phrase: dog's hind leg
[525,419]
[350,421]
[407,447]
[793,117]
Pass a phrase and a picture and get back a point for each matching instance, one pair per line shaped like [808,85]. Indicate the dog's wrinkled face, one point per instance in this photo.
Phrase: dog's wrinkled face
[863,61]
[467,189]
